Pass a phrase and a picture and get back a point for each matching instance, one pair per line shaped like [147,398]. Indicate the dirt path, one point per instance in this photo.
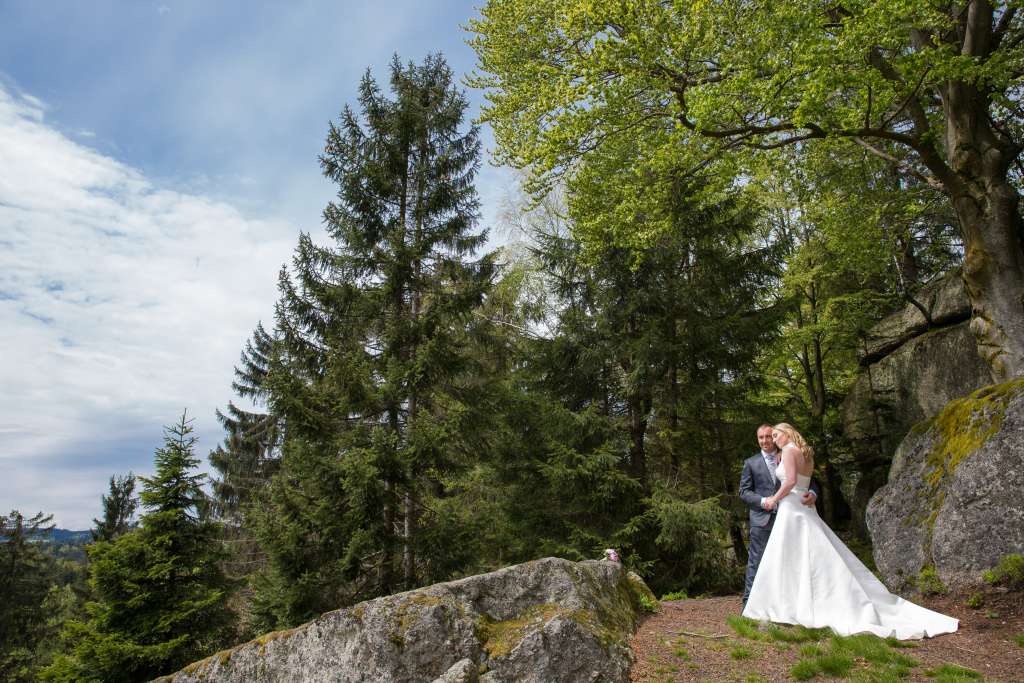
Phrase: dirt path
[691,641]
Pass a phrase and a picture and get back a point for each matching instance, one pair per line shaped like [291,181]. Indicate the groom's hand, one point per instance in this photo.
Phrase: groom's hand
[809,499]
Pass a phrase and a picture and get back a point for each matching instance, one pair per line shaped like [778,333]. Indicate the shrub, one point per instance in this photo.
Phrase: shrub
[929,583]
[975,600]
[1009,572]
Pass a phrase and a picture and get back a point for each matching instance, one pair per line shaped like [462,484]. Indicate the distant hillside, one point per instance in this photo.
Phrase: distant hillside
[65,536]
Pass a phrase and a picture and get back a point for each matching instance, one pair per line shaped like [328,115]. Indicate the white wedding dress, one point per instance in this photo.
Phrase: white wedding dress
[808,576]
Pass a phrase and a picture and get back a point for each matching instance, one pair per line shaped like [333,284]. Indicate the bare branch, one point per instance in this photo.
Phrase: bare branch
[902,165]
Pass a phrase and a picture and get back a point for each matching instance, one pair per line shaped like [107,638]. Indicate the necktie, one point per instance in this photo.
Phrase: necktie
[770,458]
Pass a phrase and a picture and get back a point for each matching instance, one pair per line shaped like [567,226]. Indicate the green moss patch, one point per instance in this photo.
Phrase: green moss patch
[964,425]
[961,428]
[499,638]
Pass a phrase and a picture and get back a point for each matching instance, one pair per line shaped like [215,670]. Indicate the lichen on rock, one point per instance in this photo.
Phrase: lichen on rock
[952,501]
[546,620]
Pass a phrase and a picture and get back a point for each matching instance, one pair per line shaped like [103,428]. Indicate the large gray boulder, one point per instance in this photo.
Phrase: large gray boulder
[547,620]
[911,370]
[954,500]
[945,300]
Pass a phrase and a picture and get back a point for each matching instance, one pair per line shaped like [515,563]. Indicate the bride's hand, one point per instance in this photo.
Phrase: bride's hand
[770,503]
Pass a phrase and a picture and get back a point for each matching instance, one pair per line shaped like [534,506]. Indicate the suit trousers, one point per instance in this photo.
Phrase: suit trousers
[758,540]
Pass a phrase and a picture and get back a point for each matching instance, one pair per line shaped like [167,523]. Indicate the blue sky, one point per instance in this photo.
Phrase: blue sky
[157,161]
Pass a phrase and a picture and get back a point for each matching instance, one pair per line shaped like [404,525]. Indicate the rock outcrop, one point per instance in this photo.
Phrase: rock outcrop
[547,620]
[912,369]
[953,502]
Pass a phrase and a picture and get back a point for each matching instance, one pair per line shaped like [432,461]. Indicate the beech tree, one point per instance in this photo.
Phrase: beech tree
[931,88]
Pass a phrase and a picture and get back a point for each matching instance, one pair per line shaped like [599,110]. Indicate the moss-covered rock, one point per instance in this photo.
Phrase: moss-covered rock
[547,620]
[953,500]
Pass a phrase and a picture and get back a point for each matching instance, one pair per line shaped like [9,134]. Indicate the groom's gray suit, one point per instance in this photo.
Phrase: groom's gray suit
[756,483]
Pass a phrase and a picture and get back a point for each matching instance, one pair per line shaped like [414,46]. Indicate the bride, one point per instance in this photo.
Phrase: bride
[809,577]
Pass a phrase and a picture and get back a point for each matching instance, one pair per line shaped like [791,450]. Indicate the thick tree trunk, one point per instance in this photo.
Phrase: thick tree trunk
[993,276]
[638,411]
[987,206]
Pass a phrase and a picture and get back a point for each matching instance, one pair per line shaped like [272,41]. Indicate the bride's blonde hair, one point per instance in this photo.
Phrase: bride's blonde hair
[797,439]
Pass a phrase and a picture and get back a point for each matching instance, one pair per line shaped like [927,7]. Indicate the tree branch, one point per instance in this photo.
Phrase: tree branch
[902,165]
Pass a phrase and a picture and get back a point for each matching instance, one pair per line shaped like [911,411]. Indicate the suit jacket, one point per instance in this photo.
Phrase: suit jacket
[756,482]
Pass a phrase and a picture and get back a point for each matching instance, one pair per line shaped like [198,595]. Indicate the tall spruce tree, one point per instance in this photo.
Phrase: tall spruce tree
[26,573]
[248,458]
[118,508]
[663,342]
[374,377]
[159,591]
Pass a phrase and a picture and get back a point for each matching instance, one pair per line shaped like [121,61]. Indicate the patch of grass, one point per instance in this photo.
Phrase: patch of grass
[797,634]
[975,600]
[879,676]
[836,665]
[900,644]
[755,678]
[752,629]
[675,595]
[1009,572]
[804,670]
[872,649]
[845,657]
[741,652]
[1019,639]
[929,583]
[744,627]
[950,673]
[682,653]
[810,651]
[647,604]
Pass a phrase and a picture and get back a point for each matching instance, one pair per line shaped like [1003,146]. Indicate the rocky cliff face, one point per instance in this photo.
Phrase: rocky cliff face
[953,501]
[547,620]
[912,368]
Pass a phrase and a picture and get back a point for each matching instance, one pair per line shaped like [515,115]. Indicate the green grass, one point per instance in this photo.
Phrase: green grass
[741,652]
[804,670]
[874,675]
[1009,572]
[862,658]
[774,633]
[872,649]
[744,627]
[975,600]
[674,595]
[929,583]
[837,656]
[1019,639]
[950,673]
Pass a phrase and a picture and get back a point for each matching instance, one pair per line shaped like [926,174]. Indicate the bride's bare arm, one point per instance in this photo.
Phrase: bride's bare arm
[789,456]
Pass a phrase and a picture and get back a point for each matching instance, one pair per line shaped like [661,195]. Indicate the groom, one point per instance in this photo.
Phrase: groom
[757,483]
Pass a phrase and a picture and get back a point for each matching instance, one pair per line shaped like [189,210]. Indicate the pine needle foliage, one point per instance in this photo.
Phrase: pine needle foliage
[159,591]
[374,376]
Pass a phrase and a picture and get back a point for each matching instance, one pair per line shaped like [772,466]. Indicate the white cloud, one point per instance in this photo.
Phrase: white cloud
[121,303]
